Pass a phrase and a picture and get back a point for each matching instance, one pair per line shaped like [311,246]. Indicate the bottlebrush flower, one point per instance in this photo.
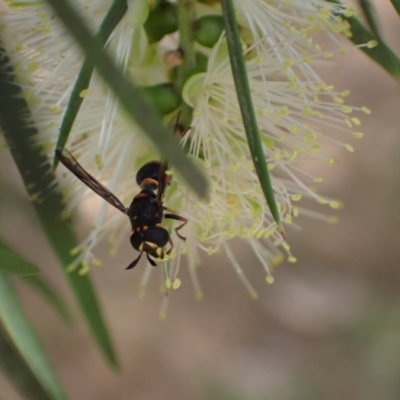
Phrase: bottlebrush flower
[296,111]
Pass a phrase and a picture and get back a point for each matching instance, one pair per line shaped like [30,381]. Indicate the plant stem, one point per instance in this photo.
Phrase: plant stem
[186,18]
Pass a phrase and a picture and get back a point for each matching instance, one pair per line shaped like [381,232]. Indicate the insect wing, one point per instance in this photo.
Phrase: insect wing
[72,164]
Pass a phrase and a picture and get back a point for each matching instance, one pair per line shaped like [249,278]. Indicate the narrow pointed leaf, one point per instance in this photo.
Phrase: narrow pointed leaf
[36,172]
[19,328]
[371,16]
[131,98]
[376,49]
[40,284]
[111,20]
[14,264]
[246,107]
[18,371]
[396,5]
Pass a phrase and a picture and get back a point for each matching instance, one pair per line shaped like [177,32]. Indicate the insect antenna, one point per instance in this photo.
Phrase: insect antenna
[152,262]
[134,262]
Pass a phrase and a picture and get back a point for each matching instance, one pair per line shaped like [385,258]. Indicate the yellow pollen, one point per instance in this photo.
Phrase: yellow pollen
[338,100]
[177,283]
[99,162]
[142,291]
[372,43]
[308,111]
[321,200]
[54,108]
[84,269]
[168,283]
[288,219]
[254,294]
[347,109]
[74,251]
[269,279]
[349,147]
[366,110]
[210,251]
[32,67]
[96,262]
[296,197]
[348,123]
[269,232]
[331,161]
[358,135]
[292,259]
[162,315]
[199,295]
[334,204]
[70,268]
[84,93]
[112,252]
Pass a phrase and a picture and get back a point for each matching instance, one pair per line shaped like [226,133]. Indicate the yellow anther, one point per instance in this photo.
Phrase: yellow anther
[296,197]
[349,147]
[269,279]
[84,93]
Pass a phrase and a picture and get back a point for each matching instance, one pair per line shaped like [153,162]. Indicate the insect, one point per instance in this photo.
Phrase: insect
[146,211]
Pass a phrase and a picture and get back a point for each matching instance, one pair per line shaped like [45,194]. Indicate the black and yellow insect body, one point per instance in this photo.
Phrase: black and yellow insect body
[146,212]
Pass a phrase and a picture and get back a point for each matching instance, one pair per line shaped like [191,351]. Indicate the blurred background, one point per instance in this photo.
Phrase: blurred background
[328,328]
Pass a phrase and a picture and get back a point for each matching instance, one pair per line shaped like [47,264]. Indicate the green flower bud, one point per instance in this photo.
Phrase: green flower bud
[208,29]
[163,97]
[201,66]
[201,61]
[162,20]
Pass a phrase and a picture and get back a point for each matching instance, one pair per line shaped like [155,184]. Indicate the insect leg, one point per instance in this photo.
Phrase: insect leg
[171,243]
[178,218]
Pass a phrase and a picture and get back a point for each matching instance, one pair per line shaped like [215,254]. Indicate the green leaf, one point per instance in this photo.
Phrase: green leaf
[131,98]
[111,20]
[396,5]
[17,325]
[50,295]
[246,107]
[380,53]
[44,288]
[14,264]
[371,16]
[36,172]
[18,371]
